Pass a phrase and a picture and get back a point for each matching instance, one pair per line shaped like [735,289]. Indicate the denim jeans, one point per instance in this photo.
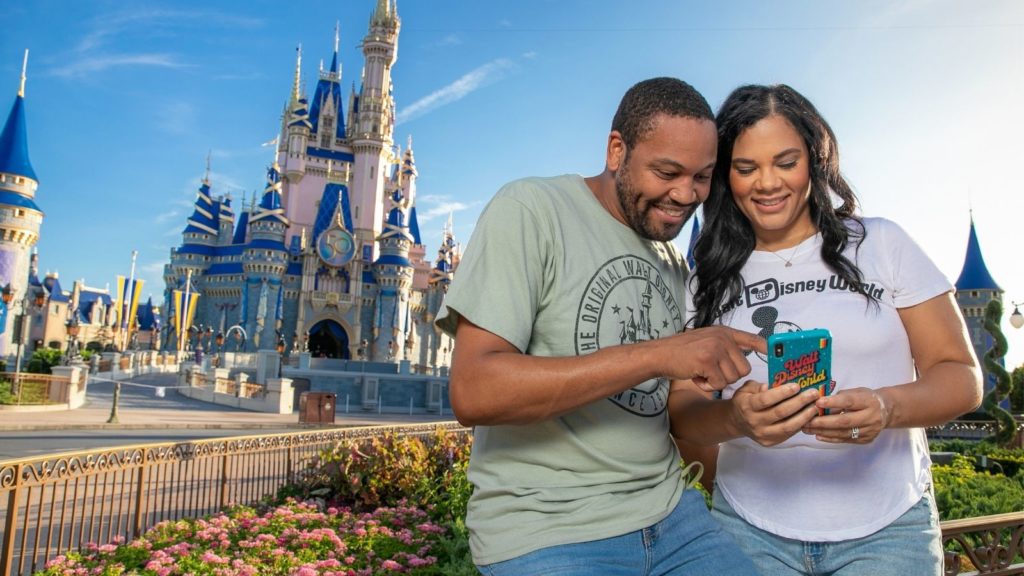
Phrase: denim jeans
[912,544]
[687,542]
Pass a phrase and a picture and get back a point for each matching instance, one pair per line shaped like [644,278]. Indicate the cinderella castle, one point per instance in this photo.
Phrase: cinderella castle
[330,258]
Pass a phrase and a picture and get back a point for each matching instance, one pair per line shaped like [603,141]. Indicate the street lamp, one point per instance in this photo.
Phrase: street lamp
[21,320]
[1016,319]
[72,327]
[219,345]
[280,353]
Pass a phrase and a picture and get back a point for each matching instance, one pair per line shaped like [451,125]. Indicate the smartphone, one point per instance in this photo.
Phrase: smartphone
[804,357]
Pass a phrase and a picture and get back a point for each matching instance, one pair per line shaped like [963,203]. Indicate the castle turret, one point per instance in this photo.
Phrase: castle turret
[226,221]
[20,217]
[373,117]
[297,129]
[975,288]
[265,261]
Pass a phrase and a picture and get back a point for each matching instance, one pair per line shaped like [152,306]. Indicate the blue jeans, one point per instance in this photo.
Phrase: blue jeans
[687,542]
[912,544]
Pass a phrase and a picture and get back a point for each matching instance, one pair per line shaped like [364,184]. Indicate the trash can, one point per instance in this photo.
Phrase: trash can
[317,407]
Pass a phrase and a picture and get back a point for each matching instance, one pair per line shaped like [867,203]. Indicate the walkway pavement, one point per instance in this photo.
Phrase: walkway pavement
[140,408]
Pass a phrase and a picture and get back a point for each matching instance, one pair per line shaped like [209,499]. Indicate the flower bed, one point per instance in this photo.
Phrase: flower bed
[294,538]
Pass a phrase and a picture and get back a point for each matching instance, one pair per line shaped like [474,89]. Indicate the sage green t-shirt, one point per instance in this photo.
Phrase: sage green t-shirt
[549,270]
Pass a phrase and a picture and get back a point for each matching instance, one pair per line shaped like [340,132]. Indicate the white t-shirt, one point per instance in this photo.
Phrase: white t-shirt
[803,488]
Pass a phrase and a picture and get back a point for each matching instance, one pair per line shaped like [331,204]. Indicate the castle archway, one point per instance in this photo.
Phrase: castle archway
[327,339]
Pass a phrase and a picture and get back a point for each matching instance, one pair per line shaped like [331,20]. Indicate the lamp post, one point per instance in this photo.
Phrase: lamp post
[72,327]
[21,320]
[280,353]
[218,342]
[1017,319]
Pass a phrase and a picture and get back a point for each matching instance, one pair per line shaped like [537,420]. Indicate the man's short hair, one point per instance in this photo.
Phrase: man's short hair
[634,119]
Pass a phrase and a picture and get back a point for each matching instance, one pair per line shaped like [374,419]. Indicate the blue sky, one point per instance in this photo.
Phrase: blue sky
[125,100]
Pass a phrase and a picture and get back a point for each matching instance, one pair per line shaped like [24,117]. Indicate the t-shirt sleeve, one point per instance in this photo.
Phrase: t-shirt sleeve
[499,281]
[915,278]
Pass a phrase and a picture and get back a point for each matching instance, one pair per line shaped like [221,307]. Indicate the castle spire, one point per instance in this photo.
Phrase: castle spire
[298,74]
[975,275]
[206,178]
[24,69]
[14,137]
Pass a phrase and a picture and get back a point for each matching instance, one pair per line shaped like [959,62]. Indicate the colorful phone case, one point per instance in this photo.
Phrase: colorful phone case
[804,357]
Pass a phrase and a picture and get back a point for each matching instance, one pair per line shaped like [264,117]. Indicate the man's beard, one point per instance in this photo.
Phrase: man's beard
[638,219]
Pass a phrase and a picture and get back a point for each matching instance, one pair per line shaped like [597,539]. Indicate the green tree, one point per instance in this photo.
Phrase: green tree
[1017,393]
[1006,425]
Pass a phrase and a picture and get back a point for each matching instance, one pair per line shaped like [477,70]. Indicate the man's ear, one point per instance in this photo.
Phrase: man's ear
[616,151]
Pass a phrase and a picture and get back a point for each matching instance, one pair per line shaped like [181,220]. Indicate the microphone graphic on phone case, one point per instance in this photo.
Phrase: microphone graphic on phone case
[804,357]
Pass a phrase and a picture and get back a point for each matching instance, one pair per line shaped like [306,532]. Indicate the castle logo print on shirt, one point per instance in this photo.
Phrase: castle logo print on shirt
[625,302]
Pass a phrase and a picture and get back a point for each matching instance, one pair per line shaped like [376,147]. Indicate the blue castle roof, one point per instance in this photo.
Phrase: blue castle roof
[329,86]
[14,143]
[205,216]
[329,201]
[975,275]
[414,226]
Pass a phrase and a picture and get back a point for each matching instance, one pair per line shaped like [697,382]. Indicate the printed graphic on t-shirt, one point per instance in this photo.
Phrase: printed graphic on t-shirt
[628,301]
[757,295]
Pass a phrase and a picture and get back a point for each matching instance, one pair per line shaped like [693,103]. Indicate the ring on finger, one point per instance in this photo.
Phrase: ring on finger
[854,433]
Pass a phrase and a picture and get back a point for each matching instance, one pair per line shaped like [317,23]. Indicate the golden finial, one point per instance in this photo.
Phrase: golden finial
[24,68]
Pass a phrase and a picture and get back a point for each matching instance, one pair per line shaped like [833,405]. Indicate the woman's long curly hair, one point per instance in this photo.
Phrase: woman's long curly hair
[728,239]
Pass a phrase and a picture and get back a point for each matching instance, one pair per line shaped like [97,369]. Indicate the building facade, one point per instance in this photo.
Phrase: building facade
[330,258]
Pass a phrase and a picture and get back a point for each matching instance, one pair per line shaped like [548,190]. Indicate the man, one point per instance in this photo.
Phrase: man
[568,328]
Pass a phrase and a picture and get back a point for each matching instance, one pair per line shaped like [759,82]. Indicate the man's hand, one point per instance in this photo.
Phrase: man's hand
[711,357]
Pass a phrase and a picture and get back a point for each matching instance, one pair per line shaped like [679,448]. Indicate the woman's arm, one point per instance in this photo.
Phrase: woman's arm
[948,382]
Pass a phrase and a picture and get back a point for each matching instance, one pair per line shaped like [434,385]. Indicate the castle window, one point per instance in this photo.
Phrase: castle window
[372,171]
[974,293]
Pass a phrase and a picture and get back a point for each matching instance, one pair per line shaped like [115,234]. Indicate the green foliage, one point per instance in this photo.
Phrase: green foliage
[1017,390]
[963,492]
[27,392]
[392,470]
[1006,426]
[42,360]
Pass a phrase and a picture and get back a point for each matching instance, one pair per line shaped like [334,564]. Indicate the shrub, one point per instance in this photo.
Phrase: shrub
[42,360]
[963,492]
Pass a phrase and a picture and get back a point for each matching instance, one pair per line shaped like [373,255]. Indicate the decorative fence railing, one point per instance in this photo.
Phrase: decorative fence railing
[58,503]
[26,388]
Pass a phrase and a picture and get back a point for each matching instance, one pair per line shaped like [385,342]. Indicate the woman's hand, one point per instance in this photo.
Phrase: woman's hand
[855,416]
[769,416]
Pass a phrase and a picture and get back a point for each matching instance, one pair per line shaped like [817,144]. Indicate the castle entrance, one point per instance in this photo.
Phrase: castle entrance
[327,339]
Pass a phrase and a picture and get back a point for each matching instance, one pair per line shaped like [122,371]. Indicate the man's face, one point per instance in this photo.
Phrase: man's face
[665,176]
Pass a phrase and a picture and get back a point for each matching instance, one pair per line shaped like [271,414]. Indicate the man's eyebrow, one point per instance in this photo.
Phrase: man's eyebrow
[668,162]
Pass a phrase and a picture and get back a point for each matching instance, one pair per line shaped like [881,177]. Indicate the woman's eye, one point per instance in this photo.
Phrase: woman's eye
[788,165]
[744,171]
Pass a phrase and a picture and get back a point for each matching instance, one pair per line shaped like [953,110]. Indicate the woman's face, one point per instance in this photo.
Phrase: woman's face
[770,179]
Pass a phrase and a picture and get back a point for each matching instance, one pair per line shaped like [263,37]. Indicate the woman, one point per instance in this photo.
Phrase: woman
[847,493]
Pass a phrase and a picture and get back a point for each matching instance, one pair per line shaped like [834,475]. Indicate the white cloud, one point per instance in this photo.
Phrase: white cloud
[90,65]
[170,214]
[457,90]
[443,209]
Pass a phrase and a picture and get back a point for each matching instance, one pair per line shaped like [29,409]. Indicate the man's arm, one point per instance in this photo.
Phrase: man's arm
[493,383]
